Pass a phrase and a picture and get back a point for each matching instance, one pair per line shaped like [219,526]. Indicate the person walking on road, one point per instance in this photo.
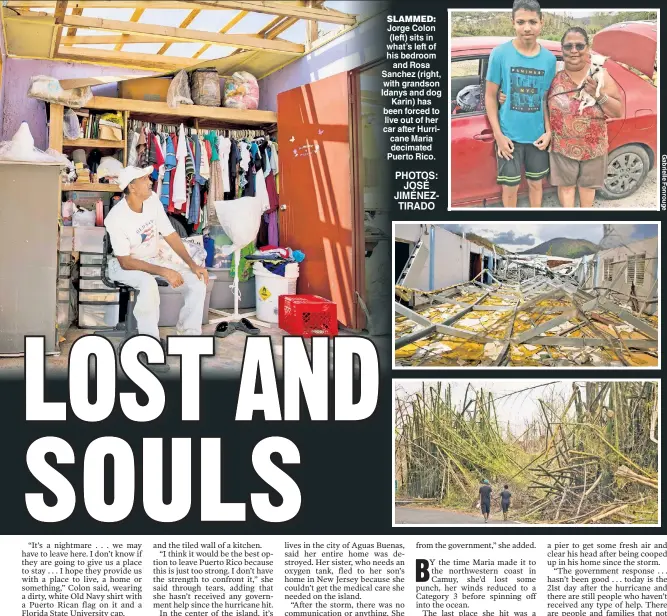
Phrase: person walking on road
[505,497]
[485,499]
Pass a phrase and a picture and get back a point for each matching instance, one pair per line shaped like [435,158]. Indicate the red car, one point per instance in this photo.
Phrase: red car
[632,138]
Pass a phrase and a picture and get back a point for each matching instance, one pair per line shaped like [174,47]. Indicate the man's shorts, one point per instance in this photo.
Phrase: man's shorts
[583,173]
[485,507]
[535,161]
[505,507]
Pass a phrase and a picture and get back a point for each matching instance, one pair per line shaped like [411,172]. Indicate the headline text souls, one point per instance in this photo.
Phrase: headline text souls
[301,373]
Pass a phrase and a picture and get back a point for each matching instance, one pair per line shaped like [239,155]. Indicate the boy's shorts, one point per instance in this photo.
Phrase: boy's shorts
[535,161]
[486,508]
[505,507]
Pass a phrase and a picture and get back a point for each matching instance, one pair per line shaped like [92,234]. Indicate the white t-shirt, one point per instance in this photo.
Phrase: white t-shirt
[136,234]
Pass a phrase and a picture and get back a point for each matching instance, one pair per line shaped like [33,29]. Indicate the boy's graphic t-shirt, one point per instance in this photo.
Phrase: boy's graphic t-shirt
[524,80]
[136,234]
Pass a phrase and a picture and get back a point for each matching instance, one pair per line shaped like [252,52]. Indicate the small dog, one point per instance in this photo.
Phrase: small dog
[596,72]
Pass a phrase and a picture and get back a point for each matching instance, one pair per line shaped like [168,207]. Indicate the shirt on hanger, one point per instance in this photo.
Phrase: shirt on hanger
[179,193]
[224,148]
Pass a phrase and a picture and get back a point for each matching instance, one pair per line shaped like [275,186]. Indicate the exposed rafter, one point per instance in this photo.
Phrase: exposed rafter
[136,16]
[59,15]
[226,28]
[72,31]
[124,58]
[244,41]
[184,24]
[283,9]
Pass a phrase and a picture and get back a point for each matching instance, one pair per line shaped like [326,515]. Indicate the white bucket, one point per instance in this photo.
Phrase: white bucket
[268,287]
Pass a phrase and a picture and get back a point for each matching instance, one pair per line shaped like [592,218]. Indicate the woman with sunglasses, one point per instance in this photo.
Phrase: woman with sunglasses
[579,142]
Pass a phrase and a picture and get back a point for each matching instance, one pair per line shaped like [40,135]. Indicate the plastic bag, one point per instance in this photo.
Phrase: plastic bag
[109,167]
[22,148]
[179,91]
[83,218]
[240,218]
[241,91]
[205,87]
[71,128]
[113,117]
[48,89]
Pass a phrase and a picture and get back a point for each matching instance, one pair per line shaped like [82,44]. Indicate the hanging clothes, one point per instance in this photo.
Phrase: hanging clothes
[234,158]
[224,148]
[169,165]
[142,154]
[205,169]
[274,163]
[245,156]
[133,141]
[156,159]
[179,193]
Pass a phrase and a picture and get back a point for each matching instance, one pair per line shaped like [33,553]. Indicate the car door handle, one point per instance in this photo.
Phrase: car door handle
[485,135]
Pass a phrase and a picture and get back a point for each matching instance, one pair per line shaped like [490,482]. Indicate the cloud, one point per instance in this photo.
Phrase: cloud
[510,238]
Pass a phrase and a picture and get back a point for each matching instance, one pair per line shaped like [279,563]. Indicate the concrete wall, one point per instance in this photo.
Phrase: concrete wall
[362,45]
[3,57]
[619,258]
[17,106]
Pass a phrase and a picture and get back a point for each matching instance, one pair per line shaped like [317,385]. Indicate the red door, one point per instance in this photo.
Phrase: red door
[474,167]
[316,190]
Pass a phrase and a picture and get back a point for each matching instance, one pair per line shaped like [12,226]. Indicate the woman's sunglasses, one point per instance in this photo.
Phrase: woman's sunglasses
[577,46]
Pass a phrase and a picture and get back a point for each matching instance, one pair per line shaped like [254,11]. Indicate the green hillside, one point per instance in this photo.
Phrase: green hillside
[492,23]
[564,247]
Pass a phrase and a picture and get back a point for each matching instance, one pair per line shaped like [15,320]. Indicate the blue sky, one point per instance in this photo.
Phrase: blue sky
[213,21]
[519,236]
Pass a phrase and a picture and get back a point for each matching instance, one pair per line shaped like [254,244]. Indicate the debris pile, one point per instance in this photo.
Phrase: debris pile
[545,319]
[590,459]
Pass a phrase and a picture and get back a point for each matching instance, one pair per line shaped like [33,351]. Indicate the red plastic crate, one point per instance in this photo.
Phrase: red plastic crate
[307,315]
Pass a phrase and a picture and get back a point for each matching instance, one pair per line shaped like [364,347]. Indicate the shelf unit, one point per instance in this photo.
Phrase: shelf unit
[93,143]
[197,116]
[94,187]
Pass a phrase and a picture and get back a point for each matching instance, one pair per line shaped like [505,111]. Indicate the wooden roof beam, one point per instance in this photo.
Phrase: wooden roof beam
[244,41]
[59,14]
[124,58]
[112,39]
[106,4]
[283,9]
[184,24]
[228,26]
[72,31]
[136,16]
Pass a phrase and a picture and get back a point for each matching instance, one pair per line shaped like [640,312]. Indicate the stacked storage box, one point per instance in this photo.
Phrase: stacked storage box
[63,293]
[99,305]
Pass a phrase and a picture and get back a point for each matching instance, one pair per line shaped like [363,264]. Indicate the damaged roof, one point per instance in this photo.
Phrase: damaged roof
[542,320]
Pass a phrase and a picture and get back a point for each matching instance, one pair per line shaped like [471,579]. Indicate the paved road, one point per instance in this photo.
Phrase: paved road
[415,515]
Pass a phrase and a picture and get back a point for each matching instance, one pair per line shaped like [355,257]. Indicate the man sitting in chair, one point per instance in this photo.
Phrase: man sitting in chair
[133,225]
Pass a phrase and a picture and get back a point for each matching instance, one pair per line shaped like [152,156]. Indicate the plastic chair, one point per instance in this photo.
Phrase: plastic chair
[127,328]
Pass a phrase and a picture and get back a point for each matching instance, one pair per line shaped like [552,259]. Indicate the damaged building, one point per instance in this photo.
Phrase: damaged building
[461,301]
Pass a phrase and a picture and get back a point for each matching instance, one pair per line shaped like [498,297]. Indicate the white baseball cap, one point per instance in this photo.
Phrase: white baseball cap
[129,174]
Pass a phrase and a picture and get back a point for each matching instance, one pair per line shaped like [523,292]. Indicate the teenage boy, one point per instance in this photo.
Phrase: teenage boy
[505,498]
[523,69]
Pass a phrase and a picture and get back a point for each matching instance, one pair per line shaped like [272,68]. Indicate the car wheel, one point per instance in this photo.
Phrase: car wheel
[626,170]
